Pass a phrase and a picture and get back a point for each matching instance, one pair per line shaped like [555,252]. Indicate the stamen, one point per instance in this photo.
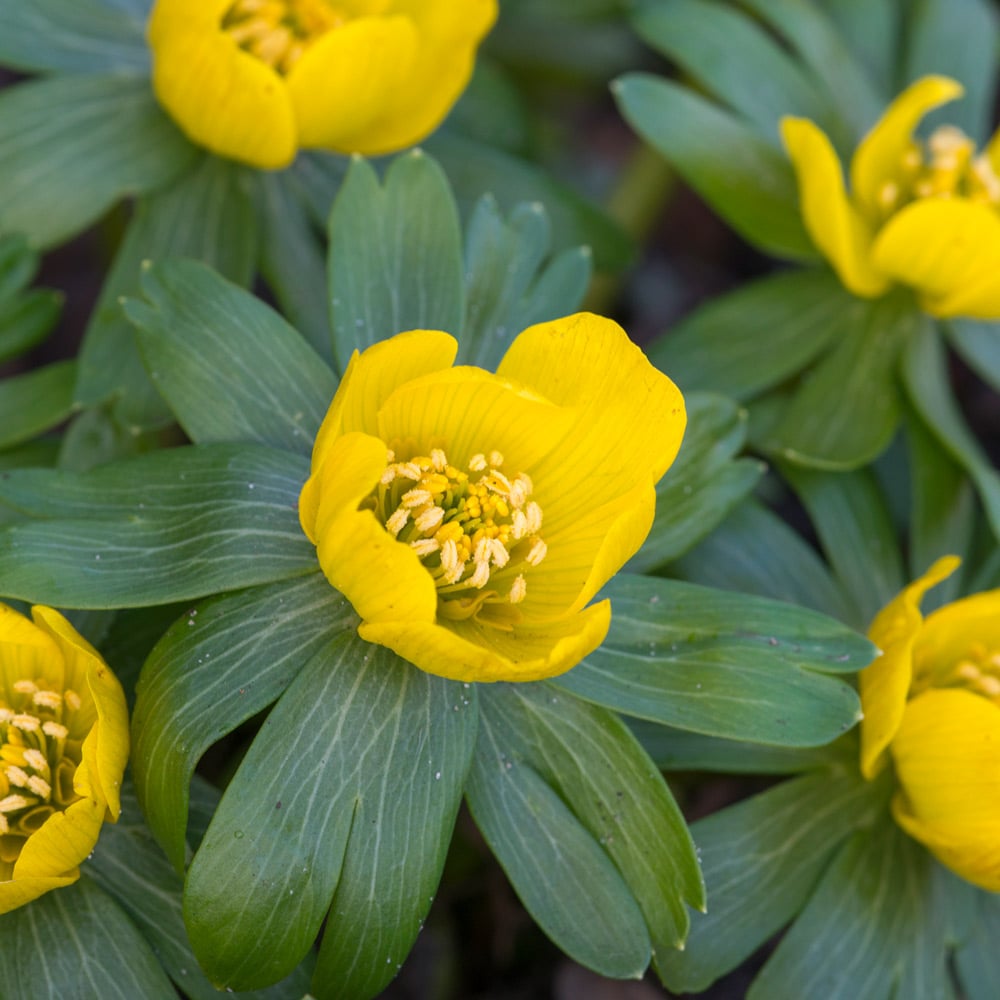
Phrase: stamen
[477,463]
[36,759]
[27,723]
[518,589]
[429,519]
[425,546]
[417,498]
[397,521]
[40,787]
[55,729]
[72,699]
[48,699]
[16,776]
[537,552]
[12,803]
[25,687]
[496,459]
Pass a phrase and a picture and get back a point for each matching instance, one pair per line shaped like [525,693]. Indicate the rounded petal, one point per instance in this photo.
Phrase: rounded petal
[583,557]
[468,410]
[16,893]
[885,683]
[476,653]
[837,228]
[448,37]
[176,16]
[950,632]
[223,98]
[879,155]
[348,77]
[949,251]
[62,842]
[106,747]
[383,579]
[948,766]
[630,417]
[26,651]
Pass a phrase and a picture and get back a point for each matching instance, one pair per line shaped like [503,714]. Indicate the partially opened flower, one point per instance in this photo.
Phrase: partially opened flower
[470,517]
[63,748]
[923,214]
[255,80]
[932,704]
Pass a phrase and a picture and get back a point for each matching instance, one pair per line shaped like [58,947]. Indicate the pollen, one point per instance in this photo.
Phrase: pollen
[475,527]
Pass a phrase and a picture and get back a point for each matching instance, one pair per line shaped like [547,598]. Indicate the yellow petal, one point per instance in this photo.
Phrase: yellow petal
[885,683]
[472,652]
[16,893]
[222,97]
[383,579]
[345,81]
[878,157]
[172,16]
[630,417]
[448,37]
[26,651]
[837,228]
[948,249]
[370,379]
[468,410]
[62,842]
[107,744]
[582,557]
[948,767]
[950,633]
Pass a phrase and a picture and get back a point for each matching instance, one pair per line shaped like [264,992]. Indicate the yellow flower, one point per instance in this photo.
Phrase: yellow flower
[924,214]
[470,517]
[63,748]
[932,703]
[255,80]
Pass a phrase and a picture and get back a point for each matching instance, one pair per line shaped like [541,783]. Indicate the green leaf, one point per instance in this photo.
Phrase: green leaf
[679,750]
[34,402]
[395,258]
[219,665]
[584,826]
[736,62]
[71,146]
[756,552]
[847,409]
[978,343]
[132,870]
[293,258]
[492,110]
[71,36]
[925,376]
[857,535]
[957,38]
[976,959]
[761,859]
[874,31]
[851,939]
[704,483]
[26,321]
[722,664]
[207,214]
[511,281]
[361,743]
[754,338]
[168,526]
[474,168]
[842,80]
[741,175]
[229,366]
[76,943]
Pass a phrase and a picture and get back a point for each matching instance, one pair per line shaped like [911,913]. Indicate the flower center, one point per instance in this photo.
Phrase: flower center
[473,530]
[278,32]
[978,671]
[38,760]
[946,166]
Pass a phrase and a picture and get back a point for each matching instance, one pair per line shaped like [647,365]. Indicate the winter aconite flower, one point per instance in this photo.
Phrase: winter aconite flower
[470,517]
[932,704]
[63,747]
[924,214]
[255,80]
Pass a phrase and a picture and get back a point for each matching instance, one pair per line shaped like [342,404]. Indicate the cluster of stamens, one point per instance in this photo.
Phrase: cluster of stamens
[38,760]
[469,528]
[978,671]
[278,32]
[947,166]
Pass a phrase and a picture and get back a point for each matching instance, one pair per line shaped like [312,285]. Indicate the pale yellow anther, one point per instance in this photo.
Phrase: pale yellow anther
[496,459]
[39,786]
[968,671]
[26,723]
[425,546]
[16,776]
[518,590]
[48,699]
[477,463]
[499,555]
[427,520]
[534,514]
[439,459]
[388,476]
[410,470]
[397,521]
[537,552]
[518,525]
[417,498]
[5,716]
[480,576]
[25,687]
[989,685]
[36,759]
[888,195]
[72,699]
[12,803]
[55,729]
[4,825]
